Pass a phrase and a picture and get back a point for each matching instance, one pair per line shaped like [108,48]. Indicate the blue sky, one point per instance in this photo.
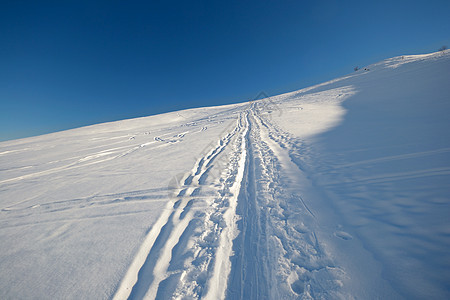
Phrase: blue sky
[66,64]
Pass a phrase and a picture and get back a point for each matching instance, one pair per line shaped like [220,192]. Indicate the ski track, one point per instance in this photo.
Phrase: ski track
[154,259]
[242,231]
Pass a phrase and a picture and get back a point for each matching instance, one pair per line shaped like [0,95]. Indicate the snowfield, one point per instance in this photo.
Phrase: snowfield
[337,191]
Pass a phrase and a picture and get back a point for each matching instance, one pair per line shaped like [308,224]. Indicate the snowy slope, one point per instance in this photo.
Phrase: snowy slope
[337,191]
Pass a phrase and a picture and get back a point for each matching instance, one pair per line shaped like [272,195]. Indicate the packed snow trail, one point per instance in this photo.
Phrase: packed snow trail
[277,253]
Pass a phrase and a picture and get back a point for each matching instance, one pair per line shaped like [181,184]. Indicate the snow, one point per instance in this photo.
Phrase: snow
[336,191]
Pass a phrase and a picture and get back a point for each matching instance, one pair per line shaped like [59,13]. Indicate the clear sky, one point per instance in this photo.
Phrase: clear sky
[66,64]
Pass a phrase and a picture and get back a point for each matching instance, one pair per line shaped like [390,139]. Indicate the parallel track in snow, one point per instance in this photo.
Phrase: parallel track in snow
[154,267]
[249,239]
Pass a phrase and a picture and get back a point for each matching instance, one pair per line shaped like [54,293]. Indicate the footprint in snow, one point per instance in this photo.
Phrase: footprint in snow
[343,235]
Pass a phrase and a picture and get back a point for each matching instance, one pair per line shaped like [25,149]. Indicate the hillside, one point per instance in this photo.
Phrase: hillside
[336,191]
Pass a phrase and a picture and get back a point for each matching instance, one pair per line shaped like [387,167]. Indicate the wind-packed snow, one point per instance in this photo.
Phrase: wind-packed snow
[337,191]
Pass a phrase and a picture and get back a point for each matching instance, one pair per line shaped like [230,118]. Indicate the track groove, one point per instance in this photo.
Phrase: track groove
[152,271]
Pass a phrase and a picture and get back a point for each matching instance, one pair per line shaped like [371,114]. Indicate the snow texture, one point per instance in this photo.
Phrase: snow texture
[337,191]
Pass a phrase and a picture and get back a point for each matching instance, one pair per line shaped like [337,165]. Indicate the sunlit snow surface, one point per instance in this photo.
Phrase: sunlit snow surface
[337,191]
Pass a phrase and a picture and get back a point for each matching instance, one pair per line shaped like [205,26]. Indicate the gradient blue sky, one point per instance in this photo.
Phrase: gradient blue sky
[65,64]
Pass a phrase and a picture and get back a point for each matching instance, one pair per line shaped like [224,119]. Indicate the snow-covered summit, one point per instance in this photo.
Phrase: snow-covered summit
[336,191]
